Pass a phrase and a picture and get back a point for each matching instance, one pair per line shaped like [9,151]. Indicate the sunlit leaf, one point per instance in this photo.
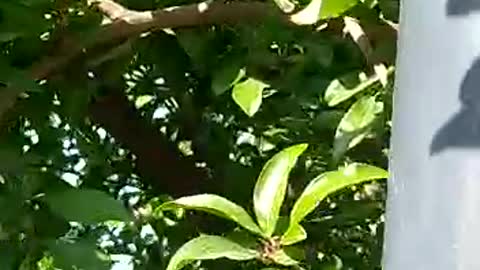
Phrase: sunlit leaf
[216,205]
[271,186]
[322,9]
[209,247]
[337,93]
[248,95]
[352,127]
[309,15]
[382,73]
[335,8]
[328,183]
[285,5]
[295,234]
[141,101]
[86,205]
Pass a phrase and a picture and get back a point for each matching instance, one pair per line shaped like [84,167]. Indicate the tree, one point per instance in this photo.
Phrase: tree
[110,109]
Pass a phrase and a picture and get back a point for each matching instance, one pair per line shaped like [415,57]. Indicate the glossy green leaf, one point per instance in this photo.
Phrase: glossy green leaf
[218,206]
[78,255]
[86,205]
[337,92]
[295,234]
[248,95]
[335,8]
[328,183]
[209,247]
[271,186]
[360,115]
[353,126]
[322,9]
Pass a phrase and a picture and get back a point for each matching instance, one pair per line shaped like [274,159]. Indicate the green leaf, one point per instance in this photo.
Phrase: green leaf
[209,247]
[271,186]
[282,258]
[87,206]
[9,253]
[328,183]
[248,95]
[226,76]
[216,205]
[142,100]
[17,80]
[78,255]
[322,9]
[353,126]
[243,238]
[335,8]
[337,93]
[296,233]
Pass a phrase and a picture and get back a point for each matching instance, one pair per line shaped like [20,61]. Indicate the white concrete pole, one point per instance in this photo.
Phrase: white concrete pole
[433,208]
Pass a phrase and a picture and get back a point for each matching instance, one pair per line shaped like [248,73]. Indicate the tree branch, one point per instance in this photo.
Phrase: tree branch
[129,24]
[158,161]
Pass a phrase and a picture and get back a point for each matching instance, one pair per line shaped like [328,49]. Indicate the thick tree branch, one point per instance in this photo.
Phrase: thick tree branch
[158,161]
[129,24]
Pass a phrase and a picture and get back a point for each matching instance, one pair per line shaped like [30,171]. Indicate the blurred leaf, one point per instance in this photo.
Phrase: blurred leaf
[79,255]
[16,79]
[142,100]
[248,95]
[309,15]
[87,206]
[48,225]
[335,8]
[337,93]
[13,23]
[295,234]
[209,247]
[271,186]
[352,127]
[285,5]
[280,257]
[243,238]
[328,183]
[9,253]
[390,9]
[328,120]
[226,76]
[216,205]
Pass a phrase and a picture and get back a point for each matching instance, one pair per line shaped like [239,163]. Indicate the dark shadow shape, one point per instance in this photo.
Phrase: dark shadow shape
[462,7]
[463,129]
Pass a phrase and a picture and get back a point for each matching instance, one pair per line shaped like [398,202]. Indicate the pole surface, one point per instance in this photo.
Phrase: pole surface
[433,207]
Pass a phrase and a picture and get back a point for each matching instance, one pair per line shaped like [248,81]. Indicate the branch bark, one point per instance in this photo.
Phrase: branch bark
[158,161]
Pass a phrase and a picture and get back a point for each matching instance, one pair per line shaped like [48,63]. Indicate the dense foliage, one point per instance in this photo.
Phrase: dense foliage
[117,119]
